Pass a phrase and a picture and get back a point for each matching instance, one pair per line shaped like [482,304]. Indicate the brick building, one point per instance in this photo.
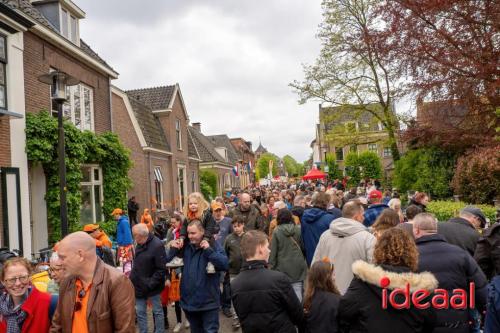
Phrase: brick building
[154,126]
[216,156]
[52,42]
[246,161]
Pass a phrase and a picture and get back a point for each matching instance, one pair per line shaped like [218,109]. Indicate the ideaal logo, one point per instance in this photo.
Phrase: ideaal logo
[420,298]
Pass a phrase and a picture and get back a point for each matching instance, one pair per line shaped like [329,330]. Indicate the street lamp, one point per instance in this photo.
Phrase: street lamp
[58,82]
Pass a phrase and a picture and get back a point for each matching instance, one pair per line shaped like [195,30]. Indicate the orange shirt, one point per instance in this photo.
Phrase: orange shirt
[80,324]
[105,240]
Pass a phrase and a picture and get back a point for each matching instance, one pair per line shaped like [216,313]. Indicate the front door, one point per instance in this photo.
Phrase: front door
[181,176]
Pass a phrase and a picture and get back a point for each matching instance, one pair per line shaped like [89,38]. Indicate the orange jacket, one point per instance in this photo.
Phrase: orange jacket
[147,219]
[104,239]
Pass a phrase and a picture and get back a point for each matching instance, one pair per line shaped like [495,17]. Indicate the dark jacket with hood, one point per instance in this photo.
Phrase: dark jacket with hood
[454,268]
[264,300]
[460,232]
[487,252]
[149,271]
[315,221]
[492,321]
[287,253]
[361,308]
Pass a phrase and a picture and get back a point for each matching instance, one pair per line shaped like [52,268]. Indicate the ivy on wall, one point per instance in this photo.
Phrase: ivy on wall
[82,147]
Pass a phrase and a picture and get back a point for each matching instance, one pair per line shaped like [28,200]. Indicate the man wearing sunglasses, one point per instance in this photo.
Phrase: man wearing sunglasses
[94,297]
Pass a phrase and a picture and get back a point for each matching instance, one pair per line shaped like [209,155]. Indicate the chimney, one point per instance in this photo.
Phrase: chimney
[197,126]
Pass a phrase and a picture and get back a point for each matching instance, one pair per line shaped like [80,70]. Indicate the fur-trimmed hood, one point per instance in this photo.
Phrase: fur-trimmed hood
[372,274]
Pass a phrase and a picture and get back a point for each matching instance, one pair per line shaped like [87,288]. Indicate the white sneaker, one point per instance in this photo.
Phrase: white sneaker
[210,268]
[176,262]
[177,327]
[187,324]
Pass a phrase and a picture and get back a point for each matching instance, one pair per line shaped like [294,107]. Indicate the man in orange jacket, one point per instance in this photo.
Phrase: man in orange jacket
[95,232]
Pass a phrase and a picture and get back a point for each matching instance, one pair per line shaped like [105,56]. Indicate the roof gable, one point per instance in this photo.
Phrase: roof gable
[205,147]
[222,140]
[157,98]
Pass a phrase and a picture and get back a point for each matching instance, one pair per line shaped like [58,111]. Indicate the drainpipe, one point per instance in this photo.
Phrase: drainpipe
[110,105]
[149,179]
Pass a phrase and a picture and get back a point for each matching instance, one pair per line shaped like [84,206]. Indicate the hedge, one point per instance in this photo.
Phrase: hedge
[445,210]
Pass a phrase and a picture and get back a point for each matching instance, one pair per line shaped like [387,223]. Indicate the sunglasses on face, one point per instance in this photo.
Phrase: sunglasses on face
[78,303]
[12,281]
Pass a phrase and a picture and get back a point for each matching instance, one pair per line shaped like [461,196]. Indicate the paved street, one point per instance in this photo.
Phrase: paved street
[225,323]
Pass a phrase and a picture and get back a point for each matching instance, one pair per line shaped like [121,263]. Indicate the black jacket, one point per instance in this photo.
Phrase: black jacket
[132,208]
[149,270]
[460,232]
[454,268]
[322,316]
[265,301]
[361,308]
[255,220]
[487,252]
[208,222]
[233,252]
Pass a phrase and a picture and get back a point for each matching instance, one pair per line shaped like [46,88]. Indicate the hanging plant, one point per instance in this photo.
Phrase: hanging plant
[81,147]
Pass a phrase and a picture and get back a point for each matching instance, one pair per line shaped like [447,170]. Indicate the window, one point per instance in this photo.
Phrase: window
[387,152]
[69,26]
[79,106]
[91,188]
[372,147]
[353,148]
[364,127]
[3,71]
[227,180]
[158,187]
[339,153]
[193,181]
[350,126]
[178,135]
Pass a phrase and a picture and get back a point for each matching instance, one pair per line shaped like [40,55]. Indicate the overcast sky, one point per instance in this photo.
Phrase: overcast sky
[233,60]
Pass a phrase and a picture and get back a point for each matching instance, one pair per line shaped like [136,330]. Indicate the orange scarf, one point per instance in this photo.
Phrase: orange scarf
[193,216]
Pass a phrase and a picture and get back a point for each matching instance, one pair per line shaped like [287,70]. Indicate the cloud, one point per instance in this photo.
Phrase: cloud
[232,59]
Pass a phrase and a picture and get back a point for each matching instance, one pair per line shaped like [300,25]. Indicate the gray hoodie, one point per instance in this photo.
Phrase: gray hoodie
[345,242]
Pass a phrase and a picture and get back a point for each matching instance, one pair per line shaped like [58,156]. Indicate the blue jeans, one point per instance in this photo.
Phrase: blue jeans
[141,308]
[203,321]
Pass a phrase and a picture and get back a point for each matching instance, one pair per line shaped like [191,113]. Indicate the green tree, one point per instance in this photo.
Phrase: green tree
[371,165]
[208,184]
[263,165]
[428,170]
[334,171]
[352,169]
[349,71]
[291,166]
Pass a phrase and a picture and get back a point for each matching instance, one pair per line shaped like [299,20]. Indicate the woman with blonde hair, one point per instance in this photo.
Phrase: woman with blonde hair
[395,204]
[196,208]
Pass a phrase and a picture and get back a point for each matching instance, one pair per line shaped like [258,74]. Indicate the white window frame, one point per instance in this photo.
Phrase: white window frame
[92,184]
[158,182]
[69,32]
[387,152]
[373,147]
[70,102]
[178,134]
[3,63]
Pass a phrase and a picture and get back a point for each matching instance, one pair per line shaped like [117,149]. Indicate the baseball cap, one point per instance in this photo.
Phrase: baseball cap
[477,213]
[117,211]
[216,205]
[90,227]
[375,194]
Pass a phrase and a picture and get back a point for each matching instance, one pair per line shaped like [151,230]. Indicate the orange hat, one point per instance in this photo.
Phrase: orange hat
[90,227]
[117,211]
[216,205]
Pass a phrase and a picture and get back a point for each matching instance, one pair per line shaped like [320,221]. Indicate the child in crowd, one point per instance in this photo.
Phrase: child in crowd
[321,299]
[233,252]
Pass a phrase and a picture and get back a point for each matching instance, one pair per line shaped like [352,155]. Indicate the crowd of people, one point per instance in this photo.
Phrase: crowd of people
[304,257]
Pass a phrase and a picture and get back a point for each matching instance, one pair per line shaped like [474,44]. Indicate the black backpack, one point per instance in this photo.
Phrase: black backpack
[107,256]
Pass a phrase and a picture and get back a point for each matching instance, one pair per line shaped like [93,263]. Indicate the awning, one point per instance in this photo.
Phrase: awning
[314,174]
[158,175]
[10,114]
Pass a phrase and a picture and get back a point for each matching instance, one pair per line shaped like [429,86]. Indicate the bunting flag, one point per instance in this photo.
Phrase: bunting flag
[250,166]
[235,170]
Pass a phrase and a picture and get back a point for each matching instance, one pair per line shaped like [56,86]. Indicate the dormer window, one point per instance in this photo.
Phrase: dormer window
[69,26]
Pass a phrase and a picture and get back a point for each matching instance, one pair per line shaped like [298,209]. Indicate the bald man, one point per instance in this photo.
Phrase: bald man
[252,214]
[148,276]
[453,267]
[93,297]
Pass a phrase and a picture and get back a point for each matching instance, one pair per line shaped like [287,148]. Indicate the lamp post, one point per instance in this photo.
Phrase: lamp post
[58,82]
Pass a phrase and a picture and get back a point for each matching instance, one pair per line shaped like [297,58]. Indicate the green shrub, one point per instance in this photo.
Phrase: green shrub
[109,227]
[477,176]
[208,184]
[333,168]
[445,210]
[427,170]
[364,165]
